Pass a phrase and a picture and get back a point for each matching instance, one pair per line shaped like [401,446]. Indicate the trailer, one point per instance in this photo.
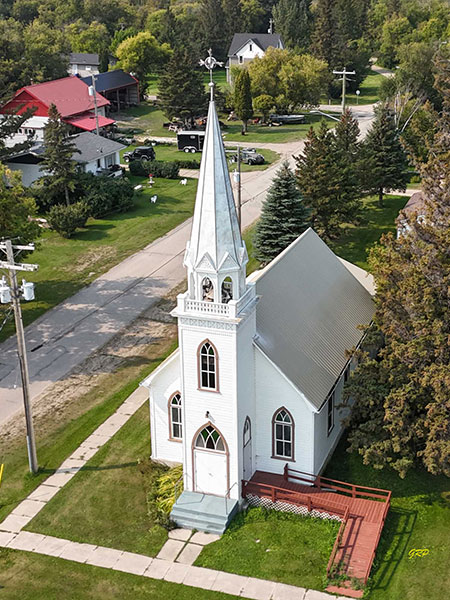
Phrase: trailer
[190,141]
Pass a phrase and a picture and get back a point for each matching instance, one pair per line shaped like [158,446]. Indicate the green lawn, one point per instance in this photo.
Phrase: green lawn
[356,240]
[67,265]
[58,437]
[369,91]
[276,546]
[106,502]
[170,152]
[419,518]
[27,576]
[147,120]
[354,243]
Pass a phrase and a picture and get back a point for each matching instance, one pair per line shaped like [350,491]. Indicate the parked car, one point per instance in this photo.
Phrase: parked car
[140,153]
[285,119]
[249,156]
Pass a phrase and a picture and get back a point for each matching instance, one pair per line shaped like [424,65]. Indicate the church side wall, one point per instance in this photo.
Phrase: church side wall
[273,391]
[246,389]
[166,383]
[324,442]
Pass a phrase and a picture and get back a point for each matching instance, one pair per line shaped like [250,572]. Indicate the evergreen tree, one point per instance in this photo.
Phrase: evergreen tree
[318,180]
[16,206]
[284,216]
[243,98]
[346,155]
[181,90]
[385,160]
[293,20]
[10,125]
[401,412]
[212,30]
[232,13]
[57,157]
[327,42]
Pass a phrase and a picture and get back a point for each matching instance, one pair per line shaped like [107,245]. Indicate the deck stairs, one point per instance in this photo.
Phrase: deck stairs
[194,510]
[361,510]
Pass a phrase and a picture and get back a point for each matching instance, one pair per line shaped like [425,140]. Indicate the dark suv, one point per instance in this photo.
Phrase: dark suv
[140,153]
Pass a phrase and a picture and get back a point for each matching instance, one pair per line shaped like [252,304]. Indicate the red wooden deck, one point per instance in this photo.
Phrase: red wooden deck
[362,511]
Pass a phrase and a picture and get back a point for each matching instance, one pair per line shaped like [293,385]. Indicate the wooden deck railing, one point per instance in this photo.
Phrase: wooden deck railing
[355,491]
[278,494]
[337,541]
[379,530]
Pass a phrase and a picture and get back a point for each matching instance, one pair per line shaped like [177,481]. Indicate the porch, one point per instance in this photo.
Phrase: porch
[361,510]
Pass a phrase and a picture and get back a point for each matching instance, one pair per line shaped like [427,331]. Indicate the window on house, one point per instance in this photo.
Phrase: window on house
[283,435]
[99,164]
[208,367]
[330,412]
[176,427]
[109,160]
[210,439]
[241,60]
[346,373]
[250,47]
[247,431]
[207,290]
[227,290]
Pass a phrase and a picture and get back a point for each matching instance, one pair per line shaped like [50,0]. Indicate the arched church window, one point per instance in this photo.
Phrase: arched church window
[227,290]
[247,431]
[208,367]
[283,434]
[175,421]
[207,290]
[210,439]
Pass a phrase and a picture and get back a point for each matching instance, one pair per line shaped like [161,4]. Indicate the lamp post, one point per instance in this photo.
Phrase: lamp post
[12,294]
[358,92]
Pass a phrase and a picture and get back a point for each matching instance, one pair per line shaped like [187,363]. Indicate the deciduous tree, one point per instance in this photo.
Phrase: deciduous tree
[16,206]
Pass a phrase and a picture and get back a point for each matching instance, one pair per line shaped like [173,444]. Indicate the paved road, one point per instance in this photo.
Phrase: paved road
[68,334]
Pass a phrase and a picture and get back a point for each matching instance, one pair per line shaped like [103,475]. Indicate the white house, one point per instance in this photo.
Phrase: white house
[261,360]
[415,208]
[95,152]
[245,47]
[83,64]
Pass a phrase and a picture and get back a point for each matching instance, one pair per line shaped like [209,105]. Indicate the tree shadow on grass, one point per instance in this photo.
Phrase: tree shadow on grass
[392,548]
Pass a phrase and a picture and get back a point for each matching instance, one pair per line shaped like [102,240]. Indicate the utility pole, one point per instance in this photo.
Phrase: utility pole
[344,74]
[94,94]
[12,267]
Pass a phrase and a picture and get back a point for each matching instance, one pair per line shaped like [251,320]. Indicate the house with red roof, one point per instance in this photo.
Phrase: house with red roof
[73,98]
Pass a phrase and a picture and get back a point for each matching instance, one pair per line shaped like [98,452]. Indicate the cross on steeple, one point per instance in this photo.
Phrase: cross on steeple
[210,62]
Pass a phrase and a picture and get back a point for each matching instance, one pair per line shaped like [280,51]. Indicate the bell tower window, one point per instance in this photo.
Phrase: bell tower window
[207,290]
[207,357]
[227,290]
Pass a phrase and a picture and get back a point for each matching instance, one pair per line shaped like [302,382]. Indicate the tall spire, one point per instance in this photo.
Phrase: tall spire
[216,248]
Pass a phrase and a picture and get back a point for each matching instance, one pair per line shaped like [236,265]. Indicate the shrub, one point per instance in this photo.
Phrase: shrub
[104,195]
[66,219]
[188,164]
[168,170]
[162,484]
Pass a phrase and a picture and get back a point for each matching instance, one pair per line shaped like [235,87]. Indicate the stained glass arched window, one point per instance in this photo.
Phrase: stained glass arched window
[210,439]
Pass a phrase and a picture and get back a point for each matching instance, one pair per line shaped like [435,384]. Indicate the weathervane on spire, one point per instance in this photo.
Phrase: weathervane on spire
[210,62]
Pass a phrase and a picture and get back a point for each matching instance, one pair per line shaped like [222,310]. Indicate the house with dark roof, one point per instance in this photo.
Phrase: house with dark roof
[415,208]
[246,46]
[95,153]
[120,88]
[83,64]
[73,98]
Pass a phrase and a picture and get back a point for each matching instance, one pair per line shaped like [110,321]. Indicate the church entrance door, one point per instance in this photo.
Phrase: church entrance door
[247,451]
[210,456]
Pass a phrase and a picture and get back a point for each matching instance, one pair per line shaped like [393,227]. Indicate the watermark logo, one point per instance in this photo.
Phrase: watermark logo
[418,552]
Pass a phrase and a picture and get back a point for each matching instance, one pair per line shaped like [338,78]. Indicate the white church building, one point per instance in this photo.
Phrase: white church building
[258,374]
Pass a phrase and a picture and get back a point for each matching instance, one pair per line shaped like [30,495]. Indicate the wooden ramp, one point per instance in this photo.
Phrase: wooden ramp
[362,512]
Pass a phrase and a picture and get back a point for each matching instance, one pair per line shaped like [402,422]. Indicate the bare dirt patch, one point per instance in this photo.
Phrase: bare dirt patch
[106,370]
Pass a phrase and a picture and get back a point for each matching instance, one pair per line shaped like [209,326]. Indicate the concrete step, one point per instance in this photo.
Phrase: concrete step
[204,512]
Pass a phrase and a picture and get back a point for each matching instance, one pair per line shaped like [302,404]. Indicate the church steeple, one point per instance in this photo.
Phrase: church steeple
[216,255]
